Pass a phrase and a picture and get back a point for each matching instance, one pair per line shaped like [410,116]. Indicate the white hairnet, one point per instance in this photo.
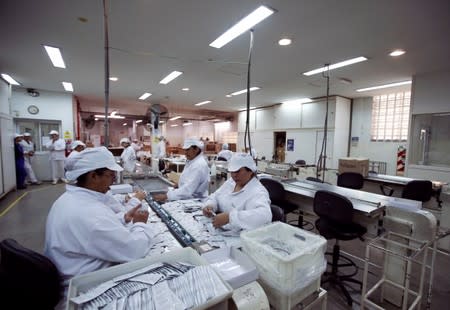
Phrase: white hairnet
[76,143]
[239,160]
[124,140]
[27,134]
[53,132]
[225,146]
[192,142]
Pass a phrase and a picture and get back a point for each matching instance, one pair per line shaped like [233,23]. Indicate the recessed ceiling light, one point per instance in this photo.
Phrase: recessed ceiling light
[187,124]
[144,96]
[174,125]
[174,118]
[185,89]
[173,75]
[244,91]
[67,86]
[243,25]
[396,53]
[138,121]
[9,79]
[336,65]
[285,41]
[203,102]
[55,56]
[113,78]
[297,101]
[124,124]
[228,96]
[384,86]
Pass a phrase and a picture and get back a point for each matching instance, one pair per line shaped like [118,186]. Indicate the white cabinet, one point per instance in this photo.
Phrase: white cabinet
[313,114]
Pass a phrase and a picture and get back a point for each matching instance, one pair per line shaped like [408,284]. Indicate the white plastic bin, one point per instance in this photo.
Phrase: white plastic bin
[287,258]
[186,255]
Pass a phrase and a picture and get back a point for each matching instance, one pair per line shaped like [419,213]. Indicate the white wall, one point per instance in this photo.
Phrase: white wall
[7,166]
[52,106]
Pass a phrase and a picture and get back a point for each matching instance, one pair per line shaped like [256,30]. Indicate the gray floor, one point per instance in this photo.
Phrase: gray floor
[23,214]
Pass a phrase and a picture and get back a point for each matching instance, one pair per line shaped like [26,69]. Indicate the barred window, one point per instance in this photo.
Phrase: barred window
[390,116]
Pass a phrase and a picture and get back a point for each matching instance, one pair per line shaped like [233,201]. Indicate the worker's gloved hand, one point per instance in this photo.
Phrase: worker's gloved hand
[208,211]
[140,195]
[221,219]
[136,215]
[159,197]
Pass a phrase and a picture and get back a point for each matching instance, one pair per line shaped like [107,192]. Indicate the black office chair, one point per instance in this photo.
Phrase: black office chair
[220,158]
[350,180]
[277,214]
[277,197]
[335,222]
[300,162]
[28,280]
[420,190]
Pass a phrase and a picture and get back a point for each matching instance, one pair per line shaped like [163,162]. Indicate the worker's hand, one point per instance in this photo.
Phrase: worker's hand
[140,216]
[130,214]
[160,197]
[221,219]
[208,211]
[140,195]
[30,153]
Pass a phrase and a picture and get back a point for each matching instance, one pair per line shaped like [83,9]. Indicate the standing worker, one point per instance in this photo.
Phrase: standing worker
[21,173]
[57,148]
[128,155]
[28,152]
[194,180]
[161,153]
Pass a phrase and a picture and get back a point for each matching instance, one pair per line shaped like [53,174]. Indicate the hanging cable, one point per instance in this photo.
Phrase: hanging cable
[247,121]
[322,161]
[105,24]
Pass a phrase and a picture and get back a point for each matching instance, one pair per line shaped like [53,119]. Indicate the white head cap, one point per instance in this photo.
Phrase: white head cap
[192,142]
[240,160]
[27,134]
[53,132]
[90,160]
[225,146]
[17,135]
[124,140]
[76,143]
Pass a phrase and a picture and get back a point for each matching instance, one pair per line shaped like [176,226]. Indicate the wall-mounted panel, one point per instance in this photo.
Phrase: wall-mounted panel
[287,116]
[264,119]
[313,114]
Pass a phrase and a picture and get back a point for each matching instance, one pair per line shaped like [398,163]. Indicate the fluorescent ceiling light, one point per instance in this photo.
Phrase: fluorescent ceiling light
[138,121]
[55,56]
[397,53]
[384,86]
[124,124]
[161,122]
[174,118]
[174,125]
[228,96]
[284,41]
[297,101]
[187,124]
[185,89]
[113,78]
[67,86]
[243,25]
[9,79]
[173,75]
[336,65]
[144,96]
[244,91]
[113,113]
[202,103]
[110,116]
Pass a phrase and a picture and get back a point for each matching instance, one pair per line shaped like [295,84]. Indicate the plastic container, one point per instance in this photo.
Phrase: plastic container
[287,258]
[187,255]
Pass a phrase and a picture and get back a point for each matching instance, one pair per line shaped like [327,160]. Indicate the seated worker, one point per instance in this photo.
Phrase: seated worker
[77,146]
[128,155]
[225,154]
[242,202]
[194,181]
[83,233]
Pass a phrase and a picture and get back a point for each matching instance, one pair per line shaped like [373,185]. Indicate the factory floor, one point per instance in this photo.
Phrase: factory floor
[23,215]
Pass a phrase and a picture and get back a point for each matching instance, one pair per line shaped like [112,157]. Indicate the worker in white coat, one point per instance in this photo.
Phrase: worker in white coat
[28,152]
[242,202]
[225,154]
[83,233]
[77,146]
[161,150]
[57,148]
[194,180]
[128,155]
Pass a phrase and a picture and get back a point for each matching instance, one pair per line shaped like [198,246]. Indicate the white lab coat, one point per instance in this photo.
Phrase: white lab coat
[248,208]
[57,157]
[225,154]
[28,147]
[161,153]
[194,181]
[83,234]
[128,157]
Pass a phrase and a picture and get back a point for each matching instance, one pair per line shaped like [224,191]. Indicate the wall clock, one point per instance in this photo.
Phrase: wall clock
[32,109]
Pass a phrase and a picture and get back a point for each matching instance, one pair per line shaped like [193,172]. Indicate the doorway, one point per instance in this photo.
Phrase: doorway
[279,146]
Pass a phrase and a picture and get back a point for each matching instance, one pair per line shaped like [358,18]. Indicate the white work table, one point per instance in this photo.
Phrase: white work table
[398,180]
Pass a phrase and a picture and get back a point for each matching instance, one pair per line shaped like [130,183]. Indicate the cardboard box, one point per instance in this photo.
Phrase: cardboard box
[354,164]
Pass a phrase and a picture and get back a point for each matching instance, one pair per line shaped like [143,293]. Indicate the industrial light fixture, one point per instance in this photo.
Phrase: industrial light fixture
[67,86]
[113,78]
[55,56]
[284,41]
[174,125]
[174,118]
[185,89]
[243,91]
[397,52]
[144,96]
[228,96]
[243,25]
[138,121]
[336,65]
[124,124]
[384,86]
[187,123]
[173,75]
[203,102]
[161,122]
[297,101]
[9,79]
